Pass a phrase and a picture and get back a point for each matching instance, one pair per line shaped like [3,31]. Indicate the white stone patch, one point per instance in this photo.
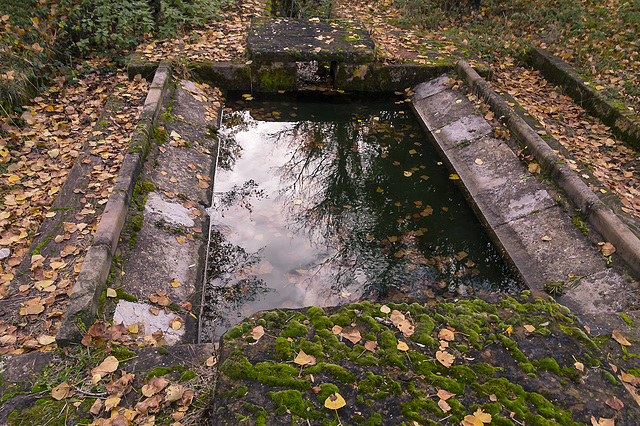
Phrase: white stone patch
[130,313]
[173,213]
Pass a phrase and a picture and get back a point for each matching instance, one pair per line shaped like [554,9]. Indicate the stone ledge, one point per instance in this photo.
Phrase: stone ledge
[559,72]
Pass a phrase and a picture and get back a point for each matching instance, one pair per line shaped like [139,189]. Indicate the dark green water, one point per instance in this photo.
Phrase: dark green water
[329,203]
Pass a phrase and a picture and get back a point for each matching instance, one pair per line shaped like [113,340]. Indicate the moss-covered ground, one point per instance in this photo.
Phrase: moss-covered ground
[521,359]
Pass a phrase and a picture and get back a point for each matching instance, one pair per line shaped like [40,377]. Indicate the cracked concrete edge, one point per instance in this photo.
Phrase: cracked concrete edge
[85,296]
[559,72]
[597,213]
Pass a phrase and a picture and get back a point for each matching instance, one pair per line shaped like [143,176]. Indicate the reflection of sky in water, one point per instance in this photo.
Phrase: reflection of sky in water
[290,265]
[322,213]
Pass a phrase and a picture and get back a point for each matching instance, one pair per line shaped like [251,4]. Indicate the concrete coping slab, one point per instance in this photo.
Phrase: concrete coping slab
[289,39]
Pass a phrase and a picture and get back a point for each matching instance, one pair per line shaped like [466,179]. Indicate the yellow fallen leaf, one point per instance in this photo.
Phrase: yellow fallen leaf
[335,401]
[303,359]
[111,403]
[111,293]
[402,346]
[175,283]
[529,328]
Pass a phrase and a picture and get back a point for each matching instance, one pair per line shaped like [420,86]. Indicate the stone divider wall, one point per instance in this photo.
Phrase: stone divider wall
[85,296]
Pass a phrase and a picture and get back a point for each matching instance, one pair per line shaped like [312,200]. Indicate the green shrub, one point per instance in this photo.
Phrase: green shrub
[113,26]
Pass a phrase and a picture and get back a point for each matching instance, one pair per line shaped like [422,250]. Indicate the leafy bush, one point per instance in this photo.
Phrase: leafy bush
[113,26]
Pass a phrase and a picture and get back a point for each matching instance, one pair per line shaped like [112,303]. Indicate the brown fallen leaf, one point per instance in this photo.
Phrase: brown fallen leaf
[153,386]
[446,334]
[445,394]
[614,403]
[257,332]
[149,405]
[96,407]
[336,329]
[109,365]
[111,402]
[619,338]
[61,391]
[478,418]
[608,249]
[445,358]
[444,406]
[174,393]
[353,336]
[602,422]
[370,345]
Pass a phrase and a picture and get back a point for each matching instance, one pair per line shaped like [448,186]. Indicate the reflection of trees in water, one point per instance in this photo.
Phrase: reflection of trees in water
[230,151]
[240,195]
[231,280]
[334,169]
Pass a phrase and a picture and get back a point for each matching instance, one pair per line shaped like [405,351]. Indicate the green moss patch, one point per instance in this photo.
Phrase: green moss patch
[513,357]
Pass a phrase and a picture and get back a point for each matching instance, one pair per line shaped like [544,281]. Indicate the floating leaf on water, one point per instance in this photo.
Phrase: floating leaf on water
[407,173]
[454,176]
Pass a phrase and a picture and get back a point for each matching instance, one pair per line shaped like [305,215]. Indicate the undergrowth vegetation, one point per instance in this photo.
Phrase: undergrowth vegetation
[599,38]
[42,37]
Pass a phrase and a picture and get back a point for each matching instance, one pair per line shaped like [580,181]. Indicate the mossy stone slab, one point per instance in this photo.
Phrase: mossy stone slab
[520,357]
[289,39]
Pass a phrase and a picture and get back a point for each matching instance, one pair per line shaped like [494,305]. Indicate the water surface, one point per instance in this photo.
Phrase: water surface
[328,203]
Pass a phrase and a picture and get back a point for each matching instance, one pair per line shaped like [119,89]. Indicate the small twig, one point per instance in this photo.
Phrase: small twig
[96,395]
[441,420]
